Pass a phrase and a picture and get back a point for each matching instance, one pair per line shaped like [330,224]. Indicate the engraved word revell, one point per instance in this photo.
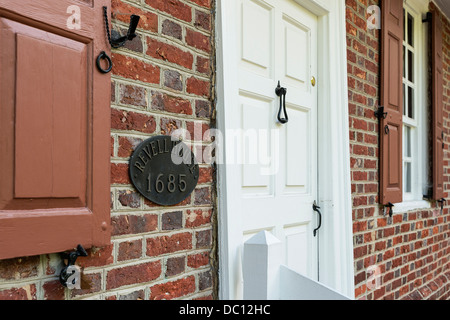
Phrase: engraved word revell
[164,171]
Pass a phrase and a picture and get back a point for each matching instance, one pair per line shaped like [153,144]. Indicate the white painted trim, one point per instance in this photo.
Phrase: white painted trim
[411,205]
[336,237]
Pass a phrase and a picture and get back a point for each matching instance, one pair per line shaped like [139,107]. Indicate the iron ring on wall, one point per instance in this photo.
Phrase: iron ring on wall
[101,56]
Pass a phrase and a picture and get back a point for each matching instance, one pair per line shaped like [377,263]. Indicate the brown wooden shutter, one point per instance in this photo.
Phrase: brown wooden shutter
[392,100]
[437,105]
[54,127]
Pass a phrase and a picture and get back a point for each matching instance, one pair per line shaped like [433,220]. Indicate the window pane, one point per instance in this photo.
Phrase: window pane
[408,187]
[404,25]
[404,62]
[410,66]
[407,142]
[410,103]
[405,109]
[410,30]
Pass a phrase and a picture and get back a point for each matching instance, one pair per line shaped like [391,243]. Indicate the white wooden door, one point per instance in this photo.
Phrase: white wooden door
[277,181]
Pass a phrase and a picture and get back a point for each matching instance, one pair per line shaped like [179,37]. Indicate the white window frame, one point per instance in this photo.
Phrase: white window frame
[419,144]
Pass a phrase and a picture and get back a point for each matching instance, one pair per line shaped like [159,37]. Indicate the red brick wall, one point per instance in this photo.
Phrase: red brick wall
[161,81]
[409,252]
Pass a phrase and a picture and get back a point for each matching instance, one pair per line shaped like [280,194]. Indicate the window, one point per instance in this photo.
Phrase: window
[411,124]
[415,103]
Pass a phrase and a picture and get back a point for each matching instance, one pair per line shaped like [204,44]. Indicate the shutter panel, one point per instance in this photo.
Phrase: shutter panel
[54,127]
[391,190]
[437,105]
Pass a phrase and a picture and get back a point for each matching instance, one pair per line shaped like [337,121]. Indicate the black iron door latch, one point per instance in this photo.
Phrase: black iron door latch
[316,209]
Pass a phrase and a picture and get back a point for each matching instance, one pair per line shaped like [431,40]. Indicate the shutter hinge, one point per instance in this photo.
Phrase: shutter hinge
[380,113]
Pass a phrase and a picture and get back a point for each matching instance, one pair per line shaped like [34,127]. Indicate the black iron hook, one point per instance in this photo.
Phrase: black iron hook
[115,40]
[390,206]
[441,202]
[71,259]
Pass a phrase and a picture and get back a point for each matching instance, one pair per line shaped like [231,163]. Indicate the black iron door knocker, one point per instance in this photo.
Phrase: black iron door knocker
[281,92]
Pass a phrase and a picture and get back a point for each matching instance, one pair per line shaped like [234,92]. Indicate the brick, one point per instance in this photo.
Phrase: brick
[203,3]
[173,80]
[173,29]
[132,95]
[173,289]
[172,104]
[97,257]
[359,124]
[134,69]
[119,173]
[129,250]
[169,125]
[197,87]
[202,20]
[203,109]
[174,8]
[113,92]
[168,244]
[122,11]
[197,131]
[132,121]
[205,280]
[197,218]
[135,45]
[202,196]
[203,239]
[129,199]
[198,260]
[205,175]
[19,268]
[134,224]
[198,40]
[135,295]
[172,220]
[360,150]
[127,145]
[171,53]
[90,283]
[133,274]
[202,65]
[175,266]
[112,147]
[27,292]
[53,290]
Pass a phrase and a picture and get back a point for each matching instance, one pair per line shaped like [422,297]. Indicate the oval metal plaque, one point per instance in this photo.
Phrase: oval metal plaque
[164,171]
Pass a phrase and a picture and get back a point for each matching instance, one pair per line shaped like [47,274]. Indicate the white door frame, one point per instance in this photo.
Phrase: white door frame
[336,234]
